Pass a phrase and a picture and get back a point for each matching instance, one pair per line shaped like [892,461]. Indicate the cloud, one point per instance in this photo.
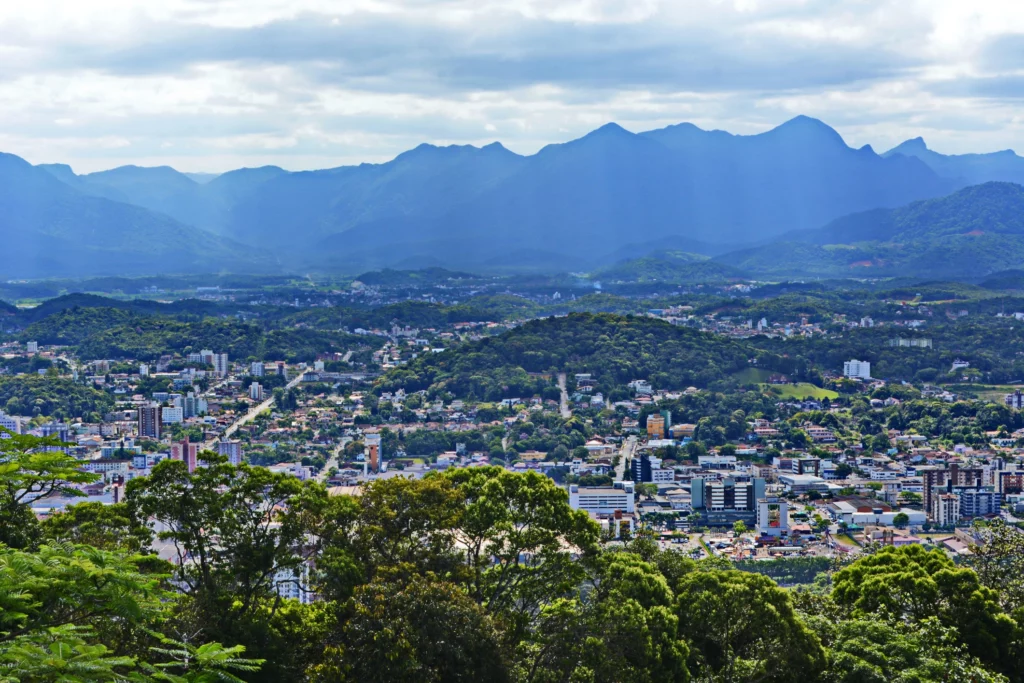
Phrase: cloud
[313,83]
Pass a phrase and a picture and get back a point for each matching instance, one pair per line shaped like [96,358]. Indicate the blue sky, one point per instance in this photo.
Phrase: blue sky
[209,85]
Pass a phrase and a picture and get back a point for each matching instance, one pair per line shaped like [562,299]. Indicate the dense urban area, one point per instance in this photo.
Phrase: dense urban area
[431,475]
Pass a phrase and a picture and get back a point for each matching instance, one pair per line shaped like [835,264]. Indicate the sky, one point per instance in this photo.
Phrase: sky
[211,85]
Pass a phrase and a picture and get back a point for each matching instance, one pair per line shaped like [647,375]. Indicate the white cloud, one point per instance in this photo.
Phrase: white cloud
[213,84]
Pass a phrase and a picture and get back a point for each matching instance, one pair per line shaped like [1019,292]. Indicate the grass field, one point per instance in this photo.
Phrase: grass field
[801,390]
[993,393]
[752,376]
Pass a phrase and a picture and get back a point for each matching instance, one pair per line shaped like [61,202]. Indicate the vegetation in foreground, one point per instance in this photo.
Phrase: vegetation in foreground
[473,574]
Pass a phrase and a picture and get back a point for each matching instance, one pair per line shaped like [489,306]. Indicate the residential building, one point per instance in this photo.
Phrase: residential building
[256,392]
[647,469]
[857,369]
[220,364]
[1015,400]
[11,424]
[256,369]
[934,481]
[231,449]
[978,502]
[149,420]
[655,426]
[945,509]
[174,415]
[187,452]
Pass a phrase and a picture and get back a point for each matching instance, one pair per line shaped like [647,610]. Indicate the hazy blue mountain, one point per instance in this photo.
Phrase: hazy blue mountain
[970,169]
[973,232]
[51,228]
[299,208]
[611,188]
[202,178]
[667,267]
[571,206]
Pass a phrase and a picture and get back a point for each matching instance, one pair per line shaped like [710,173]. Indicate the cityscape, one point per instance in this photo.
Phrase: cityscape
[425,341]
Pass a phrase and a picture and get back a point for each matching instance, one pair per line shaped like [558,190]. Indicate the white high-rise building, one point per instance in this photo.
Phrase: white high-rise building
[174,415]
[256,391]
[256,369]
[11,424]
[143,370]
[857,369]
[33,347]
[220,364]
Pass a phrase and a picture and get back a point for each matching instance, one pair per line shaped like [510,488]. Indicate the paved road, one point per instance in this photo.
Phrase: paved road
[333,460]
[249,416]
[628,449]
[563,404]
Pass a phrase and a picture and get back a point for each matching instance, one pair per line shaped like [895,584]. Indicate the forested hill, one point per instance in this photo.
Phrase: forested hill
[615,349]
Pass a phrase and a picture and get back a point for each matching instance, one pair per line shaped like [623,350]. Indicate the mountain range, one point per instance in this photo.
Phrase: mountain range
[581,205]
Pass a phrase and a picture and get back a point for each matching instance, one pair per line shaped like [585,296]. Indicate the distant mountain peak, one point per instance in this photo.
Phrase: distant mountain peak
[806,128]
[911,147]
[610,128]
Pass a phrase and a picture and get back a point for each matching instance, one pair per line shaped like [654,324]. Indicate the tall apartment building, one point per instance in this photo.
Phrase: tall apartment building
[231,449]
[149,420]
[655,427]
[978,502]
[220,364]
[647,469]
[187,452]
[256,369]
[934,481]
[857,369]
[33,347]
[1015,400]
[256,391]
[945,509]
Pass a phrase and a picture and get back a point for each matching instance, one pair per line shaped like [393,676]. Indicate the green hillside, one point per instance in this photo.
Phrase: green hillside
[968,234]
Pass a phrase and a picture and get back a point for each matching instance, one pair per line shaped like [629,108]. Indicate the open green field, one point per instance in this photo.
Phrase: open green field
[801,390]
[752,376]
[993,393]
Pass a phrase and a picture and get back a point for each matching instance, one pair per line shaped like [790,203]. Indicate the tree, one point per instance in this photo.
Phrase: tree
[424,631]
[109,527]
[623,632]
[509,518]
[61,654]
[739,528]
[742,627]
[28,474]
[648,491]
[207,663]
[916,583]
[875,650]
[901,520]
[998,559]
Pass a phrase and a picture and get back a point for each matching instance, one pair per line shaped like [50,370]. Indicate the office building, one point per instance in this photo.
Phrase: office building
[857,369]
[603,500]
[724,502]
[647,469]
[149,420]
[232,450]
